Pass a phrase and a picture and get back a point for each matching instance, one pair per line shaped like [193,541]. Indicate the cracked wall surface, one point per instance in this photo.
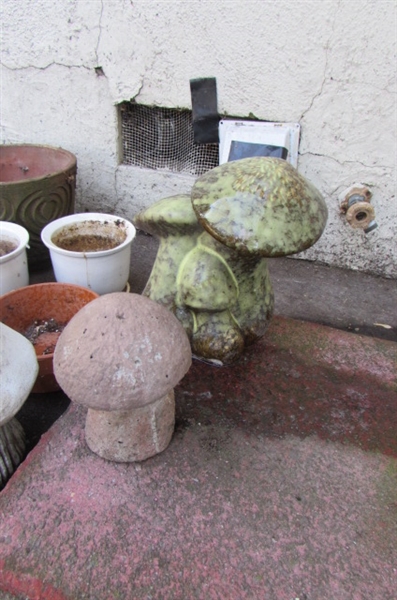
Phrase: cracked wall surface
[328,65]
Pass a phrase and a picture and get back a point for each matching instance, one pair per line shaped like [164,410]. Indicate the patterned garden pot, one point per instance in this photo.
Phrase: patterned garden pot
[37,186]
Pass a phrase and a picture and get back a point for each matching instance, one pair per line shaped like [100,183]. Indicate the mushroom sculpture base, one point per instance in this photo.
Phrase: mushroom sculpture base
[131,435]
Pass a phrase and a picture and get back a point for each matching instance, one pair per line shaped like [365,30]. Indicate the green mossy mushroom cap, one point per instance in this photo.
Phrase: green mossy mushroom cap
[169,216]
[260,206]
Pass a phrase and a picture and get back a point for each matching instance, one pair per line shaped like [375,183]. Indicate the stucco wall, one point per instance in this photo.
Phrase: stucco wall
[328,65]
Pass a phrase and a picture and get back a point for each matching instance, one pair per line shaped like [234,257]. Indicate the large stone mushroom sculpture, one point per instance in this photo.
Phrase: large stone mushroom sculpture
[121,357]
[249,210]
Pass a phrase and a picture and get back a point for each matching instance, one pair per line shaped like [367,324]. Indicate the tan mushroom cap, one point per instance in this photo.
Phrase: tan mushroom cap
[260,206]
[121,351]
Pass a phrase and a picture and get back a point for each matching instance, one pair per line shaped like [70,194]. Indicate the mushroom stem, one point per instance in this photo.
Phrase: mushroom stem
[131,435]
[173,221]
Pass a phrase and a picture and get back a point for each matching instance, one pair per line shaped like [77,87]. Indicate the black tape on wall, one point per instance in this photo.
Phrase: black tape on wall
[205,110]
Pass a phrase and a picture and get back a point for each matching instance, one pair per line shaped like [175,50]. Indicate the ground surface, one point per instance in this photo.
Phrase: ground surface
[343,299]
[279,483]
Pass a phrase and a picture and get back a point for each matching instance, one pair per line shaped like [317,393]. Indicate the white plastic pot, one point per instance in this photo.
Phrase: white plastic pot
[102,271]
[14,272]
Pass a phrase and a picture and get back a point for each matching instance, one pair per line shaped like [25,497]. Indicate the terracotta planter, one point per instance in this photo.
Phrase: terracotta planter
[37,185]
[40,303]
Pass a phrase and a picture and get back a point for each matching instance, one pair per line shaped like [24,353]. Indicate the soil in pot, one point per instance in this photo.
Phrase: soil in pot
[44,334]
[90,236]
[7,247]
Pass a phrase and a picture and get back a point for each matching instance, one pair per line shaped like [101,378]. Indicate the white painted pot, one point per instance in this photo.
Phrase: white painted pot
[14,272]
[102,271]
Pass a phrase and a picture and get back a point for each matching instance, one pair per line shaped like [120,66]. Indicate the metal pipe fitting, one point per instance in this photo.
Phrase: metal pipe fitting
[360,214]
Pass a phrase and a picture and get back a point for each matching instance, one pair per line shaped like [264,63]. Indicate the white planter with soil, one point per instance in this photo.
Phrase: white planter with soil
[91,249]
[14,271]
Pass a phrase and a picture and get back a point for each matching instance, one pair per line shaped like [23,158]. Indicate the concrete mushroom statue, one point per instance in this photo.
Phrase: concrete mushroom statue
[121,357]
[18,372]
[248,210]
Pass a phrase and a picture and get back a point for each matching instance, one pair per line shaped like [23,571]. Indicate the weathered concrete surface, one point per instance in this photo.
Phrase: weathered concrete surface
[280,483]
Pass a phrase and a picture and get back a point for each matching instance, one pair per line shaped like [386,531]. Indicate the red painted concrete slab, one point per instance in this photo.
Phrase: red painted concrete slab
[280,483]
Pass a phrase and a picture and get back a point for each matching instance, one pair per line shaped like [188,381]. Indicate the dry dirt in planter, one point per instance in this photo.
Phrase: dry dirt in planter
[87,243]
[91,236]
[44,335]
[7,247]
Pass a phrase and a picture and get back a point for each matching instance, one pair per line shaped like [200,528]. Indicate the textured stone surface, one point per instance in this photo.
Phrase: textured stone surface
[174,223]
[121,351]
[279,483]
[222,297]
[133,435]
[260,206]
[216,281]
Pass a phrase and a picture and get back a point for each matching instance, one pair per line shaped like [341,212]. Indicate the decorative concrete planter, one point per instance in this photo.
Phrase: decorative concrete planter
[14,271]
[37,185]
[91,249]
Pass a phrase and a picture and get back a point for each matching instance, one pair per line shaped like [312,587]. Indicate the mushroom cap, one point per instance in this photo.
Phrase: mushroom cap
[261,206]
[169,216]
[18,371]
[121,351]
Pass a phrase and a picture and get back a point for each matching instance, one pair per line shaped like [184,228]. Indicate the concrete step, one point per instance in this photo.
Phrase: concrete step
[279,483]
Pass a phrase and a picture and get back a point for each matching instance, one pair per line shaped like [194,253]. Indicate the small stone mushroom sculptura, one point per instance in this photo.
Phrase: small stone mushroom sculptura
[121,356]
[18,372]
[211,269]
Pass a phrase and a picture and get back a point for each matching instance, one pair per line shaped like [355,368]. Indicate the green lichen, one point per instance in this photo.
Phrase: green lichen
[210,269]
[260,206]
[217,336]
[173,221]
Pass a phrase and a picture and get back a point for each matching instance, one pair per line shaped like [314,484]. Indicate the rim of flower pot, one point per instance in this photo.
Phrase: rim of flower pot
[55,226]
[70,162]
[45,380]
[17,232]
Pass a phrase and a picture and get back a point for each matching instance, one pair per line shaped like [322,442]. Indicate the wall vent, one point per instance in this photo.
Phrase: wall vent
[162,138]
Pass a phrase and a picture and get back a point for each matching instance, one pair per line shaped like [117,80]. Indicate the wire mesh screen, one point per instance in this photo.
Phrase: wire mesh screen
[162,138]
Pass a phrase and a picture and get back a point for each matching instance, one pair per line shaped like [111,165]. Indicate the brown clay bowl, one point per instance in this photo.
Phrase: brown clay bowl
[40,312]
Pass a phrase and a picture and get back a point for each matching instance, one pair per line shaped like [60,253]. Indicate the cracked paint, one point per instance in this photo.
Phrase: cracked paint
[329,66]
